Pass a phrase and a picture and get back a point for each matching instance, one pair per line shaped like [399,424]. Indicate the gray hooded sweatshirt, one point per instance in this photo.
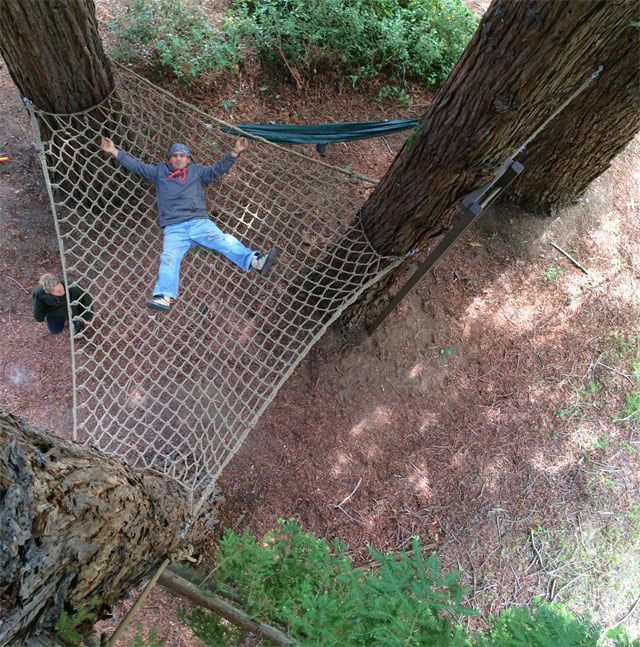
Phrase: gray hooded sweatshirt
[179,196]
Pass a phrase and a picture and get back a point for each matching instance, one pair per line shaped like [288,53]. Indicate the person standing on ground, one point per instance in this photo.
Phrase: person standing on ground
[182,214]
[49,301]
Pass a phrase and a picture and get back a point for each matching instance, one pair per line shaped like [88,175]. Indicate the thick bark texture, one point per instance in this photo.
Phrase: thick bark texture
[581,143]
[523,61]
[54,53]
[76,524]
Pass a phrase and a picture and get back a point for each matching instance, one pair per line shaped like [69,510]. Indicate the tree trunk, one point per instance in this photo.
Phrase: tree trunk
[76,524]
[523,61]
[580,145]
[54,53]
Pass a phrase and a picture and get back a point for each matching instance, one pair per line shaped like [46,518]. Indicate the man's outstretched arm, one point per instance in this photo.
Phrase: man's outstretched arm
[214,171]
[147,171]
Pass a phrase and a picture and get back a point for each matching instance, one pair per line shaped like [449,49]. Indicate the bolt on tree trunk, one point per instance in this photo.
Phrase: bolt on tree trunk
[523,61]
[578,147]
[76,524]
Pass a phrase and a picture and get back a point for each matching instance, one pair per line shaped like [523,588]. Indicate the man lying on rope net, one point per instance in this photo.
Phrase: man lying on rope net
[182,214]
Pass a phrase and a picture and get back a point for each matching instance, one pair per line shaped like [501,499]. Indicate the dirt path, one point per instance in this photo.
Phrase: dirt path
[490,412]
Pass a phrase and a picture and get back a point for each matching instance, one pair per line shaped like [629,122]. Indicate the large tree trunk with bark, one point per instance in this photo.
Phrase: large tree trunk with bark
[54,53]
[523,61]
[76,524]
[55,57]
[579,146]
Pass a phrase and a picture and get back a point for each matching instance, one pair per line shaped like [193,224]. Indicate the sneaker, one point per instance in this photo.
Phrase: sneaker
[159,302]
[261,263]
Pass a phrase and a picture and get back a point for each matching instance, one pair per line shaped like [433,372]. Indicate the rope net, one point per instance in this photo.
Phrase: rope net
[178,392]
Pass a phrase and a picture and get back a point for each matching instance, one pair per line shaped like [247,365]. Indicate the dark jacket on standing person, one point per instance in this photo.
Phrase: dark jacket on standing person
[48,304]
[179,197]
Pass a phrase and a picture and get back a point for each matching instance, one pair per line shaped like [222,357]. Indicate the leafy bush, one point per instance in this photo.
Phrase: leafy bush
[360,38]
[311,588]
[178,37]
[421,39]
[544,626]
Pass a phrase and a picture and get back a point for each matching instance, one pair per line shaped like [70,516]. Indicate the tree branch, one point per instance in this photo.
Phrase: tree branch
[213,603]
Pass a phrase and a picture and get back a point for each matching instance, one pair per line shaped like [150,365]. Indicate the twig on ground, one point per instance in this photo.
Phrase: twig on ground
[551,586]
[484,561]
[292,70]
[347,498]
[555,594]
[473,571]
[573,260]
[536,552]
[614,370]
[387,144]
[19,284]
[628,613]
[348,515]
[301,464]
[200,580]
[517,581]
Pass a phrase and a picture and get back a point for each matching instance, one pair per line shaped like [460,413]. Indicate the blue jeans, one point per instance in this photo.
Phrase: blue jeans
[55,324]
[180,238]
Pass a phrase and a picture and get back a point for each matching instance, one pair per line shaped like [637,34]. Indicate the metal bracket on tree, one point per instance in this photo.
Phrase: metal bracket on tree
[473,204]
[471,208]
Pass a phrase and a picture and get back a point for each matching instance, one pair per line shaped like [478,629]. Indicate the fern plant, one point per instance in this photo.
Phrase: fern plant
[68,623]
[310,587]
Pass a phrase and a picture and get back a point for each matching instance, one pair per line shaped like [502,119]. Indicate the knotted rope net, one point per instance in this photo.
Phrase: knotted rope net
[179,392]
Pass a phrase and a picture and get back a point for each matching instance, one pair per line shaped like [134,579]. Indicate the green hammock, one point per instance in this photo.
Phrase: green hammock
[323,134]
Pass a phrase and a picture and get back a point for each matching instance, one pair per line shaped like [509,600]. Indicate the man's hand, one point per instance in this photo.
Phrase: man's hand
[108,146]
[240,145]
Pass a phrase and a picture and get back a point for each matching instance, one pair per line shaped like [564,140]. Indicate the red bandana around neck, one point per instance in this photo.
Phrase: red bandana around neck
[180,175]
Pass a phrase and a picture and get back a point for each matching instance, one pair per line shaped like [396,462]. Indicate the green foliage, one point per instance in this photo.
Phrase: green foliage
[447,352]
[401,96]
[551,274]
[178,37]
[421,39]
[628,349]
[227,105]
[311,589]
[68,624]
[211,629]
[151,640]
[545,626]
[631,408]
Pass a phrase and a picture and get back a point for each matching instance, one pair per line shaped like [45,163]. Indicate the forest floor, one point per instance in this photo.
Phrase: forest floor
[495,413]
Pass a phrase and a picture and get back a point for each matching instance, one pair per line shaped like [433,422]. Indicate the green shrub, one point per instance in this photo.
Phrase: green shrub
[421,39]
[177,37]
[312,590]
[311,587]
[544,626]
